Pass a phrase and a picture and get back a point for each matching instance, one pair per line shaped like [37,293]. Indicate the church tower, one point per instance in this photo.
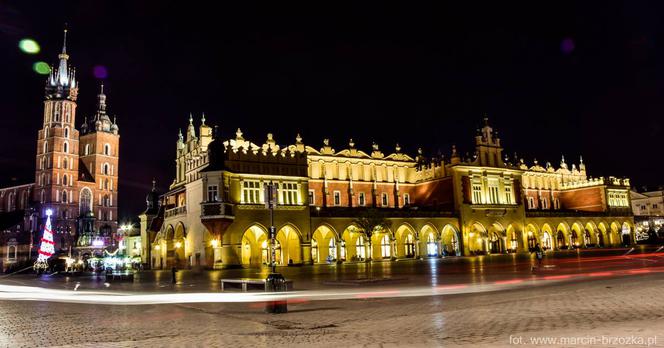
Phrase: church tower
[99,153]
[57,150]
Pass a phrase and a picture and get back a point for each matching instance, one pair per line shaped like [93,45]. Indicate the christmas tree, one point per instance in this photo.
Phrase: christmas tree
[46,248]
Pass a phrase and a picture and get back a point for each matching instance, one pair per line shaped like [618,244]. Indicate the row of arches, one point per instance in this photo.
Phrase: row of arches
[327,245]
[497,239]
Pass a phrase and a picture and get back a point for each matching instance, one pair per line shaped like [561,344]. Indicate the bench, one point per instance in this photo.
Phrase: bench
[245,283]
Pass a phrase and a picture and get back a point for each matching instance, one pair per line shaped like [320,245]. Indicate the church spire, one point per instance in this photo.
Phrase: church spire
[61,82]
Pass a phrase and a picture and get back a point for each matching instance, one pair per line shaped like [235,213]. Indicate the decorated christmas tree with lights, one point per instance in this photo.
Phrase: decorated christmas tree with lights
[46,248]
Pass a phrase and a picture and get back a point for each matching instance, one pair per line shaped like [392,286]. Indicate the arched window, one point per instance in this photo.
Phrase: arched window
[85,201]
[107,201]
[46,132]
[65,163]
[104,169]
[87,149]
[64,196]
[64,179]
[106,184]
[45,147]
[107,149]
[65,147]
[66,132]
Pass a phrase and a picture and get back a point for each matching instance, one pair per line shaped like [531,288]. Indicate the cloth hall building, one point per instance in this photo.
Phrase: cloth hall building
[214,214]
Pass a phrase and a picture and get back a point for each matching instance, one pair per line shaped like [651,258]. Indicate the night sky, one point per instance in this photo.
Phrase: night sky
[575,78]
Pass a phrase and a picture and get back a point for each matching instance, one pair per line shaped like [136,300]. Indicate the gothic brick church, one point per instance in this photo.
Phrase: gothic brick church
[76,176]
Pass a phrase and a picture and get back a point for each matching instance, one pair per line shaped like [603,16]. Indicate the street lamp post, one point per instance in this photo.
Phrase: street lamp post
[275,282]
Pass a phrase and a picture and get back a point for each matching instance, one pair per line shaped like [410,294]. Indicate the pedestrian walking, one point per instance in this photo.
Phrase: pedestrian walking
[173,271]
[539,255]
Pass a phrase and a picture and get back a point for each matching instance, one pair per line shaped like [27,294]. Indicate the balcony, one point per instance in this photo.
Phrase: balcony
[216,210]
[181,210]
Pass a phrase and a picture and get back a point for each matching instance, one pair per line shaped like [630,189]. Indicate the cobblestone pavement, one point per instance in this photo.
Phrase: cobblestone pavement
[621,306]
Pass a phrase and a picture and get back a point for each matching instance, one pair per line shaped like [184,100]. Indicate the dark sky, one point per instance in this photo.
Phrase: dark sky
[420,75]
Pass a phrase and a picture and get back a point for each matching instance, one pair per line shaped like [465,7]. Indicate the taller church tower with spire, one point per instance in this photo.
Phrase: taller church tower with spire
[76,172]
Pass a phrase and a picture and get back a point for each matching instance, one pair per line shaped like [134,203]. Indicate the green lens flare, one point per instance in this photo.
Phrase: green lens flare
[41,68]
[29,46]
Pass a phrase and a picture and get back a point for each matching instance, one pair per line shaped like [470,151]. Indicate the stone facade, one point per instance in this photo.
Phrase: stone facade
[214,214]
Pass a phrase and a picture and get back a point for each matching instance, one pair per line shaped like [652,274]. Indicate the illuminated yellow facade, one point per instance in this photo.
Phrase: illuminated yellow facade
[214,214]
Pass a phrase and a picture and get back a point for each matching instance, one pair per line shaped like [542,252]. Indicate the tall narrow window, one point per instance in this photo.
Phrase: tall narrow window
[385,248]
[361,200]
[384,199]
[493,191]
[312,197]
[107,149]
[87,149]
[66,132]
[65,147]
[406,199]
[359,248]
[213,193]
[531,202]
[337,198]
[477,193]
[508,194]
[545,203]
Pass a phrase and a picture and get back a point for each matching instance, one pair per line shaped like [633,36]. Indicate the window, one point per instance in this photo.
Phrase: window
[104,169]
[107,201]
[493,191]
[45,147]
[65,147]
[384,200]
[213,193]
[85,201]
[654,206]
[312,197]
[406,199]
[409,246]
[361,200]
[556,204]
[508,194]
[251,192]
[87,149]
[288,193]
[359,248]
[545,203]
[107,149]
[477,193]
[531,202]
[64,179]
[332,250]
[385,247]
[342,251]
[66,132]
[64,196]
[432,248]
[337,198]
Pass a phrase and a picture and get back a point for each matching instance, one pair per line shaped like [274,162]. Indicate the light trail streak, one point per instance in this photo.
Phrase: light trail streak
[29,293]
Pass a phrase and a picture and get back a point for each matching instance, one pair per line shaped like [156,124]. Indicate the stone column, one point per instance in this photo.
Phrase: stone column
[306,253]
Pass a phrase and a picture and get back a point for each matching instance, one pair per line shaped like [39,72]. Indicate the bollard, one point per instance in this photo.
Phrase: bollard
[275,282]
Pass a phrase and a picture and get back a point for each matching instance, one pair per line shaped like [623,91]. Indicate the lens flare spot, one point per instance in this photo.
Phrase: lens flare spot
[567,45]
[100,71]
[41,68]
[29,46]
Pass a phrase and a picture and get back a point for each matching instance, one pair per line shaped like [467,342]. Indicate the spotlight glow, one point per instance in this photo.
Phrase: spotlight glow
[29,46]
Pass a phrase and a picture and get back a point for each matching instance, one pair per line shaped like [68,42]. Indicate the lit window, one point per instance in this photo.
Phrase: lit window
[384,199]
[406,199]
[545,203]
[213,193]
[337,198]
[493,191]
[361,200]
[288,193]
[385,248]
[432,247]
[531,203]
[312,197]
[508,194]
[359,248]
[332,249]
[477,193]
[251,191]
